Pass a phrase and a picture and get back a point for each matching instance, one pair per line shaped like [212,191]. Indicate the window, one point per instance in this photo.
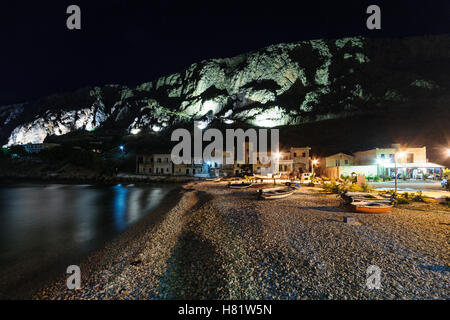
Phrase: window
[304,154]
[193,171]
[382,156]
[410,158]
[167,169]
[295,154]
[187,171]
[346,161]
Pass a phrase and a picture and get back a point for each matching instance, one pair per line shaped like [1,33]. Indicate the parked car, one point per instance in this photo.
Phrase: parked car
[306,177]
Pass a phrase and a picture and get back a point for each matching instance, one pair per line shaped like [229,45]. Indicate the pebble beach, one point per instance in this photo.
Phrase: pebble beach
[220,243]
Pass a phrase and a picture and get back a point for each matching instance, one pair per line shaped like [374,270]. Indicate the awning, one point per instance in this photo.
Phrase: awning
[426,165]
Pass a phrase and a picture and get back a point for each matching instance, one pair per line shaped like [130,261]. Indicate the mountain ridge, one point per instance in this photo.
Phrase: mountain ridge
[282,84]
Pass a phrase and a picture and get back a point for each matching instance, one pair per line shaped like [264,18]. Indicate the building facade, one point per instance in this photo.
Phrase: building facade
[301,159]
[291,162]
[409,162]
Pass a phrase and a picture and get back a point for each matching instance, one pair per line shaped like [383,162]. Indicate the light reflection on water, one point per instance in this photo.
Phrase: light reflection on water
[44,228]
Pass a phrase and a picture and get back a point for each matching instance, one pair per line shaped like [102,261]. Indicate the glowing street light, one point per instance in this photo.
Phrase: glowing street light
[121,148]
[314,162]
[448,152]
[278,155]
[400,154]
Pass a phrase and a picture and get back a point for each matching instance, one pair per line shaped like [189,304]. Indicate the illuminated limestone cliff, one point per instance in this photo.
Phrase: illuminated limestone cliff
[279,85]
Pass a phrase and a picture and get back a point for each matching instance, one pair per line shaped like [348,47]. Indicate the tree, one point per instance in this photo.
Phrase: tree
[19,150]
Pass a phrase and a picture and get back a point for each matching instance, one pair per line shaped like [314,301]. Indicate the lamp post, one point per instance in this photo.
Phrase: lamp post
[313,163]
[276,168]
[401,155]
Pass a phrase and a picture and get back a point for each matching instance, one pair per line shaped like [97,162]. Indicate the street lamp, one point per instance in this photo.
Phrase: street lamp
[313,162]
[448,152]
[400,154]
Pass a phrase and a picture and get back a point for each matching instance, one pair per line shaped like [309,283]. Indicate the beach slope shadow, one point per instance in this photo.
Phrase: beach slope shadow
[194,271]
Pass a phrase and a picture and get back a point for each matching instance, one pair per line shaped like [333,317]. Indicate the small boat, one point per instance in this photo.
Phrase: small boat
[218,179]
[371,207]
[349,197]
[242,185]
[258,185]
[275,194]
[367,202]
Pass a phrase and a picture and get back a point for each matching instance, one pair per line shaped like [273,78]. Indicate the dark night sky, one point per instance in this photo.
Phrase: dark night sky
[130,42]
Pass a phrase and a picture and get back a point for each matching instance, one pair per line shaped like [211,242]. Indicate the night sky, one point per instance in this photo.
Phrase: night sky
[129,42]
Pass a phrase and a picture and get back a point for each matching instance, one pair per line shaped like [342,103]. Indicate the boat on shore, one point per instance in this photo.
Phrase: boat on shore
[371,207]
[258,185]
[275,193]
[367,202]
[242,185]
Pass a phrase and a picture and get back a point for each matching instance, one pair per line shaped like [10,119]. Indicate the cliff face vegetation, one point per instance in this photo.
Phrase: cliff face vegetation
[283,84]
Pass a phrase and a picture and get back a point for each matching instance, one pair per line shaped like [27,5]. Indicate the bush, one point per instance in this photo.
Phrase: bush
[355,188]
[333,187]
[446,173]
[402,198]
[417,197]
[406,198]
[366,188]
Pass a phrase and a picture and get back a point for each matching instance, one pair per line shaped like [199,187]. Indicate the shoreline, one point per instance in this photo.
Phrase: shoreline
[120,251]
[220,243]
[100,256]
[101,180]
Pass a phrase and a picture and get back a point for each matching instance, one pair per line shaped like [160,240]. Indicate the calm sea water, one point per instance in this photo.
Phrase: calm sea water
[46,227]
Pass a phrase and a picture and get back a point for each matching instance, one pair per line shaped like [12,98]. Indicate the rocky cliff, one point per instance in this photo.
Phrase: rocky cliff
[282,84]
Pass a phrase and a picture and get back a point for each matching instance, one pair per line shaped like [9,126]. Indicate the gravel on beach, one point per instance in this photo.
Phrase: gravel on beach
[219,243]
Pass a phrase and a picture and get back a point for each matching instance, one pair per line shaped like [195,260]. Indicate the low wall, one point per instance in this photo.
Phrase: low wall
[336,172]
